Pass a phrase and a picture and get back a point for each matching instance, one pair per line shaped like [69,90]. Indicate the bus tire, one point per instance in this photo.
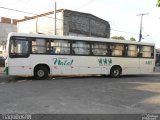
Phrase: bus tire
[115,71]
[41,73]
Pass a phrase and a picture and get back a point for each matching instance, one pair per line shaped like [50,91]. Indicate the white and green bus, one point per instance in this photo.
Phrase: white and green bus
[42,55]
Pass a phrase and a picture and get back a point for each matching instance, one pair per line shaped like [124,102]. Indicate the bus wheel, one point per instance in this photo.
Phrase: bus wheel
[115,71]
[41,73]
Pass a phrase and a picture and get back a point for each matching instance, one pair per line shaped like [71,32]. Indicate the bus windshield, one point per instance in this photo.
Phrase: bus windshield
[19,47]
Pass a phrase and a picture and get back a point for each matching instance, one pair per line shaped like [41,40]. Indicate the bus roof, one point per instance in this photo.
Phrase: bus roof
[78,38]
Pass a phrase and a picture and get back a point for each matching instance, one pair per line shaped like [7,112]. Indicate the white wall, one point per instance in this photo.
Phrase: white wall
[44,24]
[27,26]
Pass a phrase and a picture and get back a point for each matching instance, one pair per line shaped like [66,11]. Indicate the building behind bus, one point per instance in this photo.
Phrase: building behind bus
[7,25]
[67,23]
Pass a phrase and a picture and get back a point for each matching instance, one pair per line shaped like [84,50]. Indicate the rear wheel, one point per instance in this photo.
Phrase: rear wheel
[115,71]
[41,73]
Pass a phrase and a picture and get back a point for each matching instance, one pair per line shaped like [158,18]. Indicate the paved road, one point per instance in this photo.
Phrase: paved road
[127,94]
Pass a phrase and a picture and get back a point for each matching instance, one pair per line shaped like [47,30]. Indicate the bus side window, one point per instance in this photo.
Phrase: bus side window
[73,52]
[146,51]
[60,46]
[53,50]
[81,48]
[152,52]
[132,51]
[125,51]
[39,45]
[117,49]
[109,53]
[139,54]
[99,48]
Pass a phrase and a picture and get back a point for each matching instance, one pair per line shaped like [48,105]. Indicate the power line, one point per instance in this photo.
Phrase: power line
[24,1]
[124,31]
[82,6]
[85,4]
[18,10]
[28,2]
[28,12]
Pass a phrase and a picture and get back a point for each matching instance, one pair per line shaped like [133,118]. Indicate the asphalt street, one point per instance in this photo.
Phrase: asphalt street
[91,94]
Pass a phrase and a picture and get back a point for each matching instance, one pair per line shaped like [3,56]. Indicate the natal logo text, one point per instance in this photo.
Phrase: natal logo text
[62,61]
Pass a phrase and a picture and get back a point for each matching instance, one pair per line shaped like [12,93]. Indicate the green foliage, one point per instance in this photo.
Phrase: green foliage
[122,38]
[158,3]
[118,37]
[132,39]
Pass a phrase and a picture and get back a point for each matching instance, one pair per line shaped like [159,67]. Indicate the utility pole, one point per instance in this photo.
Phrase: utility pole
[55,7]
[89,26]
[140,33]
[37,24]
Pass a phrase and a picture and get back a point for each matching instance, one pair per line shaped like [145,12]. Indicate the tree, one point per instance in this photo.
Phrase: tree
[132,39]
[118,37]
[158,3]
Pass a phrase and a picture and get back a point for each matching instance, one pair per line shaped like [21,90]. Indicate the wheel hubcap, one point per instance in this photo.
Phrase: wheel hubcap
[40,73]
[116,72]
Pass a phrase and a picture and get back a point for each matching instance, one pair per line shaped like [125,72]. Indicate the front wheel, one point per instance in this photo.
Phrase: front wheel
[115,71]
[41,73]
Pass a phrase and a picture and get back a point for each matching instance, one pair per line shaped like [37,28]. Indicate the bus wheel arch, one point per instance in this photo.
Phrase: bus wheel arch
[115,71]
[41,71]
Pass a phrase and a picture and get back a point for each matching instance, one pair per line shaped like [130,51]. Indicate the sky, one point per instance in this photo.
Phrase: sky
[121,14]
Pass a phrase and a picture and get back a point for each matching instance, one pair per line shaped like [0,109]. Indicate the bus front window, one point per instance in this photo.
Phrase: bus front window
[18,48]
